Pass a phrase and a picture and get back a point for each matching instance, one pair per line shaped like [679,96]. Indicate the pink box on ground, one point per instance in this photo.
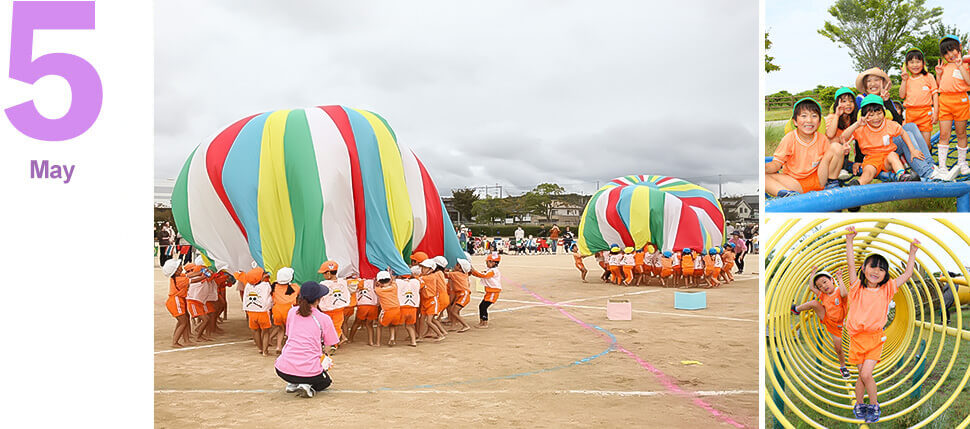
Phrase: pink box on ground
[619,309]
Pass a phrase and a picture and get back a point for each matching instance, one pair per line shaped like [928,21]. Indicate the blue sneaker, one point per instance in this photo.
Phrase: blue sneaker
[874,413]
[786,193]
[861,411]
[794,311]
[833,184]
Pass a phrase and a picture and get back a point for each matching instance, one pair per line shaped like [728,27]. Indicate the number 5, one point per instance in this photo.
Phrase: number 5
[86,92]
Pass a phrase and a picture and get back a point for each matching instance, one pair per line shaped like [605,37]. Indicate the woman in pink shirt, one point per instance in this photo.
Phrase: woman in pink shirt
[300,363]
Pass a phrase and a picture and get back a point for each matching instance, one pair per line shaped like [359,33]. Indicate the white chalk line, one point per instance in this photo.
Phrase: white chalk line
[542,304]
[473,392]
[182,349]
[701,316]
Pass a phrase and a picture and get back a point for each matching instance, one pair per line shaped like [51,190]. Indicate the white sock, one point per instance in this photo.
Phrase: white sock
[962,155]
[942,151]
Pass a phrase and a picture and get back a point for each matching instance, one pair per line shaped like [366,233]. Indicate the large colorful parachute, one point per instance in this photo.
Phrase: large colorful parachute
[636,210]
[297,187]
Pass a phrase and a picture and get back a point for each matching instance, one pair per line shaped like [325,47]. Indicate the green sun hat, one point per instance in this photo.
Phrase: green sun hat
[914,49]
[844,90]
[803,100]
[871,99]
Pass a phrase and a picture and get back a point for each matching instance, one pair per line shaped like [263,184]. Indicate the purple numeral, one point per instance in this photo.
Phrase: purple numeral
[85,83]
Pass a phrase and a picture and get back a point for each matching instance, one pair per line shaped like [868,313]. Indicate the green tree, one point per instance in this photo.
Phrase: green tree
[539,200]
[488,209]
[876,31]
[463,200]
[769,66]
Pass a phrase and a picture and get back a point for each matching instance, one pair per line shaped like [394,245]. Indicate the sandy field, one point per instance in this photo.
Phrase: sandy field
[550,358]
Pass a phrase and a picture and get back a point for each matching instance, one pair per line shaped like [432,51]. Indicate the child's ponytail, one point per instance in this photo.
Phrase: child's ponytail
[305,308]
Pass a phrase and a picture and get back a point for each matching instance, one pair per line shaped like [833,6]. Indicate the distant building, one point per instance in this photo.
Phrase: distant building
[163,192]
[740,209]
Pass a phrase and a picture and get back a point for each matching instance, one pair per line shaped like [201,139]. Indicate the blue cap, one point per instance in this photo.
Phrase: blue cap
[312,291]
[668,253]
[712,251]
[687,250]
[950,36]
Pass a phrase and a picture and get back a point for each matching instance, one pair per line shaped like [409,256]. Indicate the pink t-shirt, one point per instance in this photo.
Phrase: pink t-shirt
[302,352]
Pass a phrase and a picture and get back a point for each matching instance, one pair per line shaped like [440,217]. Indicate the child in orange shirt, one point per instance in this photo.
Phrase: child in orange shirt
[699,268]
[804,161]
[284,298]
[352,284]
[390,316]
[830,307]
[257,303]
[409,296]
[666,267]
[337,298]
[492,280]
[920,95]
[655,263]
[875,136]
[639,268]
[458,286]
[728,257]
[429,301]
[615,261]
[711,268]
[687,266]
[953,79]
[444,297]
[195,301]
[578,260]
[601,260]
[177,289]
[872,291]
[627,262]
[367,311]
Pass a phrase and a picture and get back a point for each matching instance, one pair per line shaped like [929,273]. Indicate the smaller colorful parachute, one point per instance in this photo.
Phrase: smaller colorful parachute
[636,210]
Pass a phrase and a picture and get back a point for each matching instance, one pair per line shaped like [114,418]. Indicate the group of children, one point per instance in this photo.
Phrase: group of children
[639,267]
[427,301]
[810,159]
[862,310]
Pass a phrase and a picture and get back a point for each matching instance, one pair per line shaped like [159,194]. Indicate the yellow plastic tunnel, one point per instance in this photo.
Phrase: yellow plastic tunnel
[923,369]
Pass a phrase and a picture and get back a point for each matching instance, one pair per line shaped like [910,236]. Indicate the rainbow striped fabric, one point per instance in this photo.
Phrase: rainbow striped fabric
[633,210]
[298,187]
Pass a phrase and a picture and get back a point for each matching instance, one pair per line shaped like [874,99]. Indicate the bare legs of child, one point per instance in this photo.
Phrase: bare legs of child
[278,332]
[181,325]
[454,314]
[368,325]
[866,384]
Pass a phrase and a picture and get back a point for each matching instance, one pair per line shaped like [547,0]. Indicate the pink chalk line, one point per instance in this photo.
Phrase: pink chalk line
[664,379]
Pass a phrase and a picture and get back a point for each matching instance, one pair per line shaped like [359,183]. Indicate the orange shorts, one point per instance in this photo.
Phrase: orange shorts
[349,310]
[259,320]
[688,272]
[210,307]
[657,270]
[728,266]
[581,266]
[337,316]
[443,302]
[666,272]
[429,306]
[639,269]
[279,314]
[367,312]
[196,308]
[954,106]
[877,160]
[922,116]
[462,298]
[810,183]
[175,305]
[409,315]
[491,296]
[699,272]
[390,316]
[834,327]
[677,270]
[865,346]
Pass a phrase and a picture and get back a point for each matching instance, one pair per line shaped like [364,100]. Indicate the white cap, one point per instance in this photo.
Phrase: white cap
[170,266]
[383,275]
[441,261]
[428,263]
[284,275]
[465,265]
[416,270]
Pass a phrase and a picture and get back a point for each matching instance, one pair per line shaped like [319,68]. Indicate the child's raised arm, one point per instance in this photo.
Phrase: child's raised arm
[811,283]
[838,281]
[849,254]
[910,263]
[847,134]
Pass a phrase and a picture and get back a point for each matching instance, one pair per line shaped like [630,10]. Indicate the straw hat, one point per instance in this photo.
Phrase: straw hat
[873,71]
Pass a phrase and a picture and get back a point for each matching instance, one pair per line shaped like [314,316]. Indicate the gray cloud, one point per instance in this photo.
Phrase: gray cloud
[514,93]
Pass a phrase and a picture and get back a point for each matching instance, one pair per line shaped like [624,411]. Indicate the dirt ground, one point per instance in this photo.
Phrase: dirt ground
[537,365]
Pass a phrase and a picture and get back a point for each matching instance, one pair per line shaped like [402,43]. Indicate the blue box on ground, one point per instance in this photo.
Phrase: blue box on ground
[690,300]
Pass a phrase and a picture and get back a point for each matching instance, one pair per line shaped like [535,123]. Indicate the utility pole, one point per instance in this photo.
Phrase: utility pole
[719,195]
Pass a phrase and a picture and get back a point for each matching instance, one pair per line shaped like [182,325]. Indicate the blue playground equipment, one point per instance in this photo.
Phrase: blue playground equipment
[855,196]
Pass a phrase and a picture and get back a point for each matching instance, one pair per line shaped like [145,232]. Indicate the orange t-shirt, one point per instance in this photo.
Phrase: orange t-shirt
[920,90]
[281,298]
[666,262]
[638,258]
[457,282]
[800,158]
[952,79]
[880,140]
[179,287]
[869,307]
[387,296]
[834,304]
[687,261]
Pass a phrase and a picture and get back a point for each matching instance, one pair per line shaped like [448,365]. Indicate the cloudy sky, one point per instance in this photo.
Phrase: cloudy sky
[807,58]
[510,93]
